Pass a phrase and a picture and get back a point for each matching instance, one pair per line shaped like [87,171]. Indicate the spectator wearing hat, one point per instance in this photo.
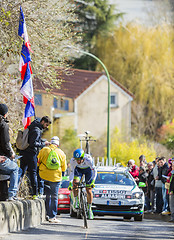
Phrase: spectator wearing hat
[7,166]
[29,155]
[51,176]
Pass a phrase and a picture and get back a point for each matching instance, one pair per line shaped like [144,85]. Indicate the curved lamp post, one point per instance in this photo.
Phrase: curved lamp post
[108,77]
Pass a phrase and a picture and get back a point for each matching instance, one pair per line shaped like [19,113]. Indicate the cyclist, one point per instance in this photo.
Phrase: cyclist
[80,164]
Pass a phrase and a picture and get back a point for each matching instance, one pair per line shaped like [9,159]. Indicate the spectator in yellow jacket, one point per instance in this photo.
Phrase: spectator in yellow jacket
[52,162]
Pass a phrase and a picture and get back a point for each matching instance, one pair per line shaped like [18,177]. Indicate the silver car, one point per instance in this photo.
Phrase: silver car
[116,193]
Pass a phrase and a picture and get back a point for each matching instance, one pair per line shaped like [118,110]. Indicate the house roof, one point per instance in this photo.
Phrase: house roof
[75,83]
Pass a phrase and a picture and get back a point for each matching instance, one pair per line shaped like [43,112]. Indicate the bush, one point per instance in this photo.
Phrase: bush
[124,151]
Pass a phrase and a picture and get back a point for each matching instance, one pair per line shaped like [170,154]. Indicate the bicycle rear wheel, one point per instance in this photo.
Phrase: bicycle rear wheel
[84,210]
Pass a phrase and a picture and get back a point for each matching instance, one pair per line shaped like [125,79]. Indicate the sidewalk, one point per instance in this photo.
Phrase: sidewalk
[156,216]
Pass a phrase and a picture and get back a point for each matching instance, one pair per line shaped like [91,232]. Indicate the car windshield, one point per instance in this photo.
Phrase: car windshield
[64,184]
[121,178]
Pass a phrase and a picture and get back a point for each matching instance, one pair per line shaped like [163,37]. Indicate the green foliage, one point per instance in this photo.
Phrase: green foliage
[95,17]
[69,143]
[124,151]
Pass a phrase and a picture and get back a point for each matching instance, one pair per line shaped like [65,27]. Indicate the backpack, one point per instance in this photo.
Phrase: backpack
[53,160]
[22,139]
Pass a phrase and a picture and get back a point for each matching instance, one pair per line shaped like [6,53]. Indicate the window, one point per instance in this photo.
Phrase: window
[55,103]
[114,100]
[64,105]
[38,99]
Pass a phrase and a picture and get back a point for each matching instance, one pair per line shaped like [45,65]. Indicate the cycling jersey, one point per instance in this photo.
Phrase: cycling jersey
[86,164]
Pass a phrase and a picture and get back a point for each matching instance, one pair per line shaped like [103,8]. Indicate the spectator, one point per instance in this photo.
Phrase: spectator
[158,188]
[151,187]
[7,165]
[171,192]
[163,169]
[29,155]
[143,179]
[51,177]
[143,162]
[167,185]
[133,169]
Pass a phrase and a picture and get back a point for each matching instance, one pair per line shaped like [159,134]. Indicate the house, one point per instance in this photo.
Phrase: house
[82,104]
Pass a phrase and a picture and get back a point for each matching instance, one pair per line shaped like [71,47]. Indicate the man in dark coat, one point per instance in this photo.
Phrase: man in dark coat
[7,166]
[29,155]
[171,192]
[163,169]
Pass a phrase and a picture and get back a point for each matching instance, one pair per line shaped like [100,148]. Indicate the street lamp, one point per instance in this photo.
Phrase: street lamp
[51,113]
[108,77]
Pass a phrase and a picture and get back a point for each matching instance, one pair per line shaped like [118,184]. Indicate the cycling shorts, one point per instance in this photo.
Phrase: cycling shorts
[78,173]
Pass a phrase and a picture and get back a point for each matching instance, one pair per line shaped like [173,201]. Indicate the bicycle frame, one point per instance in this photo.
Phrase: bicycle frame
[83,206]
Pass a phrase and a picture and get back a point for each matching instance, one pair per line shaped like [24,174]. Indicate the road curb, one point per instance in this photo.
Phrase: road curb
[20,215]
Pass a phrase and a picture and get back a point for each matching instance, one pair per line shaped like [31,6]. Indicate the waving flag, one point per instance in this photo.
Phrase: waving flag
[25,69]
[22,30]
[24,60]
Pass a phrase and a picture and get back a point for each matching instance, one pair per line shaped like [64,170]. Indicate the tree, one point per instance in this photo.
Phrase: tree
[49,26]
[94,17]
[69,143]
[141,58]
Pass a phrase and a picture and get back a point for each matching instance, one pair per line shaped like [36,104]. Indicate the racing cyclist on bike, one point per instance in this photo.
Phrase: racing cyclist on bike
[80,164]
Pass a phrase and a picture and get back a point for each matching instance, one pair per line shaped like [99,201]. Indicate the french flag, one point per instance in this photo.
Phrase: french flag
[24,60]
[22,30]
[25,69]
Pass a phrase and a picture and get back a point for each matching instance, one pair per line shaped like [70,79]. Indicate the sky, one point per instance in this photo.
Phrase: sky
[136,10]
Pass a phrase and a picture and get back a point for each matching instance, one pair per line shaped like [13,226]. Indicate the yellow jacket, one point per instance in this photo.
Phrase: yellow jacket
[50,174]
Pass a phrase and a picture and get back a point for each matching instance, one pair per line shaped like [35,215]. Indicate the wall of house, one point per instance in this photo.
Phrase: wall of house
[59,124]
[92,110]
[47,103]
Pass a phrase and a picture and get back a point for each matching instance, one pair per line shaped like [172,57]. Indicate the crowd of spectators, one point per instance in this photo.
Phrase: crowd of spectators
[158,179]
[157,176]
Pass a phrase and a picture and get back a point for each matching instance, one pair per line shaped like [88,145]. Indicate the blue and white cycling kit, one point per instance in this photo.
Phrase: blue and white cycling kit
[87,167]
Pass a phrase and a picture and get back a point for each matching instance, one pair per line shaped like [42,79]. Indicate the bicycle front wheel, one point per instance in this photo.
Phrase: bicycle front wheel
[84,210]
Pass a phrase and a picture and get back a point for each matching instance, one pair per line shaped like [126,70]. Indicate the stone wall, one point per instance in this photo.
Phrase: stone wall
[19,215]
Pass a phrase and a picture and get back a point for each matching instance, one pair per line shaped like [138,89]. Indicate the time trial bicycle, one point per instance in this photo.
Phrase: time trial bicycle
[82,211]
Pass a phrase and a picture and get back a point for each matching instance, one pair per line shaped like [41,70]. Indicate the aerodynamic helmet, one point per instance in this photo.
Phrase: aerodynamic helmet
[78,153]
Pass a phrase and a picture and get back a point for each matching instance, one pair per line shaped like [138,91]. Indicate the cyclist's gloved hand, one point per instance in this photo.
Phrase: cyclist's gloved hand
[92,185]
[70,187]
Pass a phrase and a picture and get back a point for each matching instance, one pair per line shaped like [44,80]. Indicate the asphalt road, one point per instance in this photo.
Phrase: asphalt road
[99,228]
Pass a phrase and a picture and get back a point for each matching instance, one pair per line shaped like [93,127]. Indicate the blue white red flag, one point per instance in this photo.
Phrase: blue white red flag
[24,59]
[25,69]
[22,30]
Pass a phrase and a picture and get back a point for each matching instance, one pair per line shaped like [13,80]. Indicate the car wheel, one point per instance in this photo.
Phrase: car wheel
[72,213]
[138,218]
[127,218]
